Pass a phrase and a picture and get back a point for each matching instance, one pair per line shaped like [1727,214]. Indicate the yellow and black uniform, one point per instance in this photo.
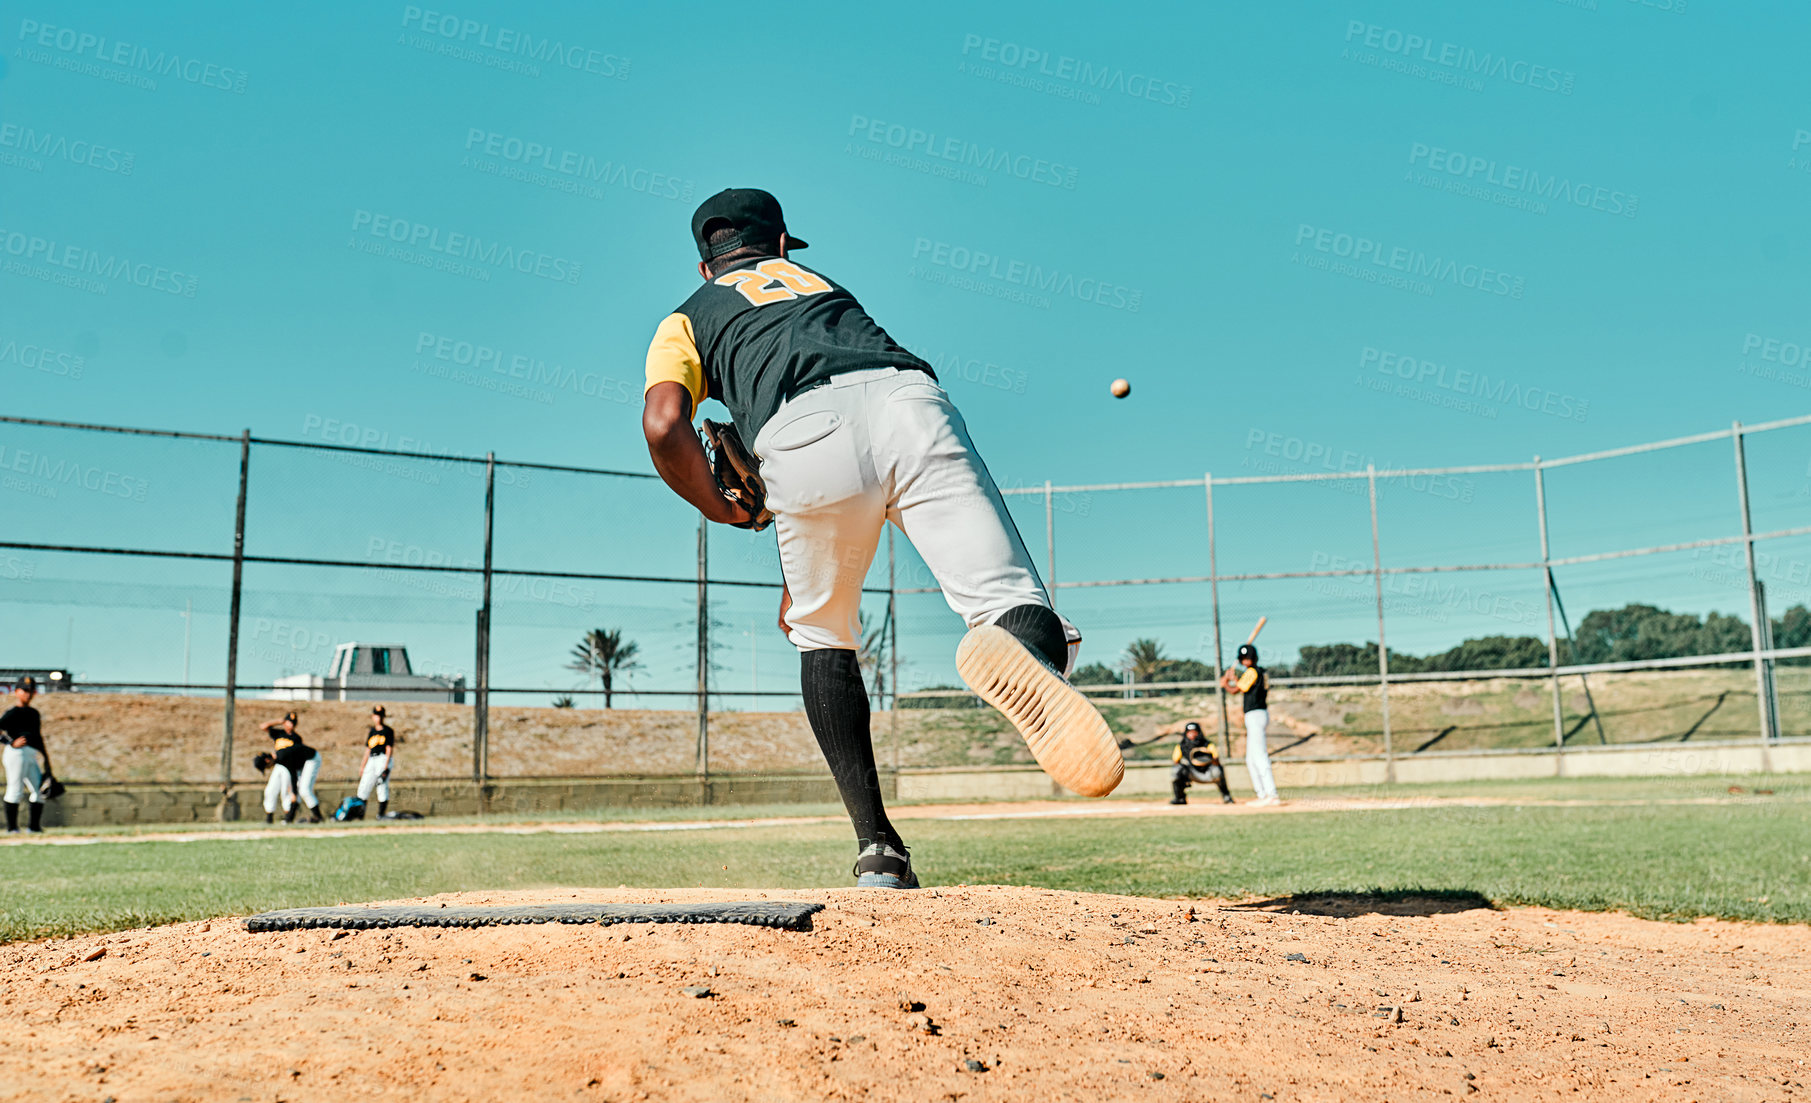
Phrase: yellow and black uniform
[1194,760]
[764,331]
[1254,683]
[380,739]
[291,753]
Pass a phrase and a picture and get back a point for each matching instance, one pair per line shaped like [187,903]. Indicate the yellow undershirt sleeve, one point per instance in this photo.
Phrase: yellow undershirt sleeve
[1248,679]
[673,358]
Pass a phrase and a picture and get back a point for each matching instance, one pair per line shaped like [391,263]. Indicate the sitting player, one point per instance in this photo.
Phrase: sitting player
[1196,761]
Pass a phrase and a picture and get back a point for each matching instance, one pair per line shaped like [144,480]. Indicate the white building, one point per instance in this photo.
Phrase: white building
[370,672]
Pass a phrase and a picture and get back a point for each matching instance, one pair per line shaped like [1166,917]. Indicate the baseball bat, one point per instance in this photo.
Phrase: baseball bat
[1256,628]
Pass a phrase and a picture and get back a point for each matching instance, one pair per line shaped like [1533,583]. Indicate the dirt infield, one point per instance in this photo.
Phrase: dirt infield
[988,993]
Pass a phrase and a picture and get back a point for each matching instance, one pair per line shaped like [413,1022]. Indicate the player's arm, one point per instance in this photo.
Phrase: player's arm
[675,388]
[785,604]
[1229,679]
[1247,679]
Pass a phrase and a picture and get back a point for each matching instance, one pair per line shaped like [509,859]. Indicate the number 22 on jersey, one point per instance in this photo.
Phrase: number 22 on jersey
[773,281]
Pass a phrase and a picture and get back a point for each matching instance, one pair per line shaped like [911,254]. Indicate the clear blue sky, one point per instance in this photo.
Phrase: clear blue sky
[1578,225]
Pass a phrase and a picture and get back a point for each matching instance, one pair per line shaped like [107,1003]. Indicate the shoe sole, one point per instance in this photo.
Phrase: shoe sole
[884,881]
[1065,732]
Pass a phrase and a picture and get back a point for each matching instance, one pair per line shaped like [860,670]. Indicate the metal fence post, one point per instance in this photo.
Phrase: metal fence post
[481,693]
[893,653]
[1757,610]
[1540,508]
[232,626]
[704,661]
[1383,649]
[1213,590]
[1049,545]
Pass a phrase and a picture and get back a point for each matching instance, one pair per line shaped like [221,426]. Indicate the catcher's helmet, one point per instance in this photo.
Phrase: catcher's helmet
[1247,651]
[1191,726]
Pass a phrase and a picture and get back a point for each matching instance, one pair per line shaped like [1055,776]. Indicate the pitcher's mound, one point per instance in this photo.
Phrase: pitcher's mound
[964,993]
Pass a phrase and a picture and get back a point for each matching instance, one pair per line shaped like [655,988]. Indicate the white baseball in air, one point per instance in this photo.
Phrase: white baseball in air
[1120,388]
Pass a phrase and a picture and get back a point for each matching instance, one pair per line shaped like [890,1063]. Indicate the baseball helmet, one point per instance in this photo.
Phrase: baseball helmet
[1191,726]
[1247,651]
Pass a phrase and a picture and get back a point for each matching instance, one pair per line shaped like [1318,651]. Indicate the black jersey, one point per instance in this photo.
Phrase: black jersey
[764,331]
[1257,690]
[23,720]
[380,740]
[291,752]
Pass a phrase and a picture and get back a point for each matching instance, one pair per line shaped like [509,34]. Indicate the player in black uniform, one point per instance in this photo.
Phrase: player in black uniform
[303,765]
[1195,760]
[380,756]
[1253,681]
[26,762]
[851,432]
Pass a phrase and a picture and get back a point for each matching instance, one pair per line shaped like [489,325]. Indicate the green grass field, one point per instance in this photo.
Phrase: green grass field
[1659,848]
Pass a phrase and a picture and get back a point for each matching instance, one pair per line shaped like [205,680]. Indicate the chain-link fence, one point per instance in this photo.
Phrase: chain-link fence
[538,620]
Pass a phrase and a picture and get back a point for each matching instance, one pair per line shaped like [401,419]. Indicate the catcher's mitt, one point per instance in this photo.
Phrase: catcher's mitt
[738,473]
[54,789]
[1201,758]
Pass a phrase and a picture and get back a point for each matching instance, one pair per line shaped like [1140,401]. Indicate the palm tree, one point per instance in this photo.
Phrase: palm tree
[1145,659]
[603,653]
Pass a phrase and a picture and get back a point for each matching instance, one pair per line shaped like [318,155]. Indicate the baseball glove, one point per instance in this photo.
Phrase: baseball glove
[54,789]
[738,473]
[264,761]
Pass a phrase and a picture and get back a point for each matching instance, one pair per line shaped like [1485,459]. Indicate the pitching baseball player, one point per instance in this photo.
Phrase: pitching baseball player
[24,758]
[1195,760]
[380,756]
[1251,680]
[850,431]
[302,764]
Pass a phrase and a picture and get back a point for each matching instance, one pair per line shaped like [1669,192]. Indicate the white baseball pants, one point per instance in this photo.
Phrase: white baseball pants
[376,778]
[22,773]
[279,790]
[305,784]
[1257,754]
[842,460]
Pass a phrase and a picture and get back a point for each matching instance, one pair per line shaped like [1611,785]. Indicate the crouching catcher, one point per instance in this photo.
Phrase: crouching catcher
[1195,761]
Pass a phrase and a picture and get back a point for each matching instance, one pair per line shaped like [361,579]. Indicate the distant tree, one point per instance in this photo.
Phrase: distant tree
[1095,674]
[1145,659]
[1639,631]
[602,653]
[564,701]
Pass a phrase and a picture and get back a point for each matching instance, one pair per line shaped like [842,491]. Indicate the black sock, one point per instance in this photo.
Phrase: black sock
[37,816]
[1041,630]
[12,816]
[836,703]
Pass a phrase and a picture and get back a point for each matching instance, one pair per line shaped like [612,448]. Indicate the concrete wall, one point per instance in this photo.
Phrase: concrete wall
[89,805]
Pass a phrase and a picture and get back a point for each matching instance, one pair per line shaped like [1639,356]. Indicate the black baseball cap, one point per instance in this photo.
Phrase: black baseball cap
[755,214]
[28,682]
[1191,726]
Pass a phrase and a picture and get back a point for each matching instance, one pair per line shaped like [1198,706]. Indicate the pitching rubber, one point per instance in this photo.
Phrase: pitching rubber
[1066,734]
